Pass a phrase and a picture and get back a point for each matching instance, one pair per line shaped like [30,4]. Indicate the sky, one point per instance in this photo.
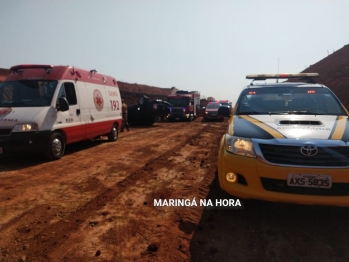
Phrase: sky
[195,45]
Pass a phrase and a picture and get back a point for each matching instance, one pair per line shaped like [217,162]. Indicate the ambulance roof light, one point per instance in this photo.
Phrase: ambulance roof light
[18,68]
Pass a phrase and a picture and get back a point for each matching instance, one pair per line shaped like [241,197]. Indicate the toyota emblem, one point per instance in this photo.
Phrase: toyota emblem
[309,150]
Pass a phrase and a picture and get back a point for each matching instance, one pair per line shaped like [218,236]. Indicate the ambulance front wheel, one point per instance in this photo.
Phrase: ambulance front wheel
[113,135]
[56,147]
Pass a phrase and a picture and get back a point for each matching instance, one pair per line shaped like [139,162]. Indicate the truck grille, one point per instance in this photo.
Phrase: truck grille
[291,155]
[5,131]
[278,185]
[300,122]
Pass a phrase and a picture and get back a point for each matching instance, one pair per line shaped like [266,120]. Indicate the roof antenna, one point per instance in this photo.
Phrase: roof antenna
[277,79]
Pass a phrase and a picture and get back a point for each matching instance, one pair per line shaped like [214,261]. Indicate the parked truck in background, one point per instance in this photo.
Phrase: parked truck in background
[147,111]
[184,105]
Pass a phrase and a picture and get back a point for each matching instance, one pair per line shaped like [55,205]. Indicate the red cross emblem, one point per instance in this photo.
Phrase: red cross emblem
[98,99]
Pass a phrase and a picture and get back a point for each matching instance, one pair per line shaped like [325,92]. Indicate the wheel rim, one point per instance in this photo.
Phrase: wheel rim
[115,132]
[56,146]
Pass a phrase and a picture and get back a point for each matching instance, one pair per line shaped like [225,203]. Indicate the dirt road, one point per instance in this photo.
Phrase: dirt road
[97,204]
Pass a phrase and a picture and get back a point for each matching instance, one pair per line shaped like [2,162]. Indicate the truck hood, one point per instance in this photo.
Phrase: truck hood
[213,110]
[290,126]
[10,116]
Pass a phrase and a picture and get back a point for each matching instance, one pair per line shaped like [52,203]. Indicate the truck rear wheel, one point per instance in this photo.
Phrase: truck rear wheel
[148,121]
[114,133]
[56,147]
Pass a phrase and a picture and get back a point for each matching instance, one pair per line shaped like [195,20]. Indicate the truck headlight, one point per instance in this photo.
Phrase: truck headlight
[239,146]
[27,127]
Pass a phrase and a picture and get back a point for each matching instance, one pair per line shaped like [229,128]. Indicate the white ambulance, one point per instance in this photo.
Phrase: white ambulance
[45,107]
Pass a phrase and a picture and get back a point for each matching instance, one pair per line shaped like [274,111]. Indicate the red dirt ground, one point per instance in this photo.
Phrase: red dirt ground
[97,202]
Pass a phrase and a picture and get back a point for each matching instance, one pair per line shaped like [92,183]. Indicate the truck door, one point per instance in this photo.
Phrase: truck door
[70,120]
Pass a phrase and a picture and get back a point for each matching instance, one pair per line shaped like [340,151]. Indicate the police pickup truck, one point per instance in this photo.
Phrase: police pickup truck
[287,142]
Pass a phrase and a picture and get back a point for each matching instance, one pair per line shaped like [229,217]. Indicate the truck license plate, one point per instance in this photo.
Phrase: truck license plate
[309,180]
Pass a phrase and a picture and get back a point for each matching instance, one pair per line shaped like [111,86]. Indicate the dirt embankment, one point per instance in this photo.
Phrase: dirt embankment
[4,73]
[131,92]
[334,73]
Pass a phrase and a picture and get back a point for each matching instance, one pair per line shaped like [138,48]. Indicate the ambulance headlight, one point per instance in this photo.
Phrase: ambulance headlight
[27,127]
[239,146]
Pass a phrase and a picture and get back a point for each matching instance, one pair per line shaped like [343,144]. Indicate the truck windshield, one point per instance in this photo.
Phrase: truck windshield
[212,106]
[28,93]
[178,101]
[289,100]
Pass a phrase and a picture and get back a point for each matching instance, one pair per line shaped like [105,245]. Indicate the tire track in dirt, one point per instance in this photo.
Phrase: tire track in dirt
[110,196]
[39,183]
[138,196]
[95,171]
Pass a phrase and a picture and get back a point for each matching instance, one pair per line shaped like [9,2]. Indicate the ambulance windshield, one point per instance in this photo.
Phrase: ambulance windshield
[27,93]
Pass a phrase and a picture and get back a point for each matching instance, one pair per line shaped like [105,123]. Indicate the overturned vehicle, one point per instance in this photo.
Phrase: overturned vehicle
[147,111]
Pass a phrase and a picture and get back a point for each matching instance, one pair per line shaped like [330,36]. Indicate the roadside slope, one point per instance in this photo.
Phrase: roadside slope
[334,73]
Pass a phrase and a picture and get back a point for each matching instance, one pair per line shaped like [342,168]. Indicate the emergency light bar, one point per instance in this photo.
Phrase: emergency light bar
[17,68]
[275,76]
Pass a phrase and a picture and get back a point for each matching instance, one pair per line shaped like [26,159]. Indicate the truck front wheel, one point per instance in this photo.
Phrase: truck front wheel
[56,147]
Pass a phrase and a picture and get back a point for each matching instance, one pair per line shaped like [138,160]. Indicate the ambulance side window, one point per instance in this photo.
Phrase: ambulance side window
[68,91]
[7,93]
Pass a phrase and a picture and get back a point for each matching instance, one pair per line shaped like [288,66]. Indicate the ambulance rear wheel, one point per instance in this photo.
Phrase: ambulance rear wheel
[56,147]
[113,135]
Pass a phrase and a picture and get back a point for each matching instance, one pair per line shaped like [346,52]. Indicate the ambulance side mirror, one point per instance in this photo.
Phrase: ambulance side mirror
[63,104]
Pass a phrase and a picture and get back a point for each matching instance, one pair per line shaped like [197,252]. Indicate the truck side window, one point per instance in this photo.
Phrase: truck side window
[68,91]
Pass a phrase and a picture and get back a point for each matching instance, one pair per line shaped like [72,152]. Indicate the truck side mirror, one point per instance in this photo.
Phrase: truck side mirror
[63,104]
